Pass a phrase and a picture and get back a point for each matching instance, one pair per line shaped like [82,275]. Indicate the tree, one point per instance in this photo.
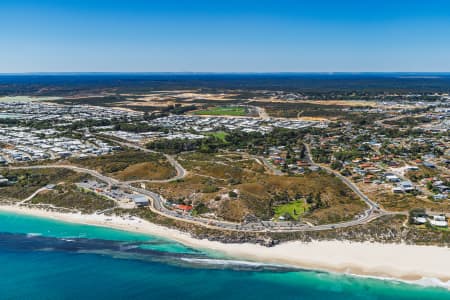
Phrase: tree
[318,200]
[232,194]
[309,199]
[287,216]
[336,165]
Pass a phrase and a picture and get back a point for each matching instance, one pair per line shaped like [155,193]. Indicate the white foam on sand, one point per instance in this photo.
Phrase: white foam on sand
[424,265]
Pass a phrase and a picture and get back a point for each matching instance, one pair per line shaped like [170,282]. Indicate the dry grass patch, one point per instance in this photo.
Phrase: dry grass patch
[190,188]
[26,182]
[217,169]
[340,203]
[69,196]
[233,210]
[406,202]
[147,171]
[423,172]
[129,165]
[259,192]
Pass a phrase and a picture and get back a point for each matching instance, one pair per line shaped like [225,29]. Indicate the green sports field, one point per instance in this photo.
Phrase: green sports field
[223,111]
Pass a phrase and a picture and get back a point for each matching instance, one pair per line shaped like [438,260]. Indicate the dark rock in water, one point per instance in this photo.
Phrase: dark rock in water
[23,242]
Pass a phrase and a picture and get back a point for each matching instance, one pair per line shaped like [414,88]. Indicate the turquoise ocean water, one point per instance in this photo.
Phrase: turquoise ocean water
[46,259]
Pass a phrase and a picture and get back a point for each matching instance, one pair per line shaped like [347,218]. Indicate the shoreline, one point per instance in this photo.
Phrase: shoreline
[423,265]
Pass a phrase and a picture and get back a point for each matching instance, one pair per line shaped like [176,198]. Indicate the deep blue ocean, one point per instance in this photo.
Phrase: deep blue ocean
[46,259]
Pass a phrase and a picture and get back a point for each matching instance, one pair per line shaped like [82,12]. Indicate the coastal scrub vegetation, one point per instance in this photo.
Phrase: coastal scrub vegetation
[234,187]
[26,182]
[311,110]
[70,196]
[129,165]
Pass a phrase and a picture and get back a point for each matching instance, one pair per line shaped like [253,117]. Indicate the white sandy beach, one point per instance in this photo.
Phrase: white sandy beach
[399,261]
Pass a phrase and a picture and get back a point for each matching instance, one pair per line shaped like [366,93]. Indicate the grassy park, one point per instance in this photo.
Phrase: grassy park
[221,135]
[223,111]
[291,210]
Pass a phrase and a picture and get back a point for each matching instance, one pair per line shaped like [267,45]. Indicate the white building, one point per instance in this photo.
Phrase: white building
[438,221]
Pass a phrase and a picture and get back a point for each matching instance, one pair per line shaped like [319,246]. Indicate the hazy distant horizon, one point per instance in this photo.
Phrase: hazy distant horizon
[52,83]
[230,73]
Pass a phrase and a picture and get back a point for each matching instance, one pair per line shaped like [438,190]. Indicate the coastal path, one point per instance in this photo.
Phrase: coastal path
[181,172]
[158,206]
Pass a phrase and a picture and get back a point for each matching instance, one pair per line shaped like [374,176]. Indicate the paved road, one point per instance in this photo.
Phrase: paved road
[181,172]
[269,165]
[157,206]
[372,205]
[157,202]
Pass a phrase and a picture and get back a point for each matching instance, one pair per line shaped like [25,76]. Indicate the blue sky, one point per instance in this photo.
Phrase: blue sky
[224,36]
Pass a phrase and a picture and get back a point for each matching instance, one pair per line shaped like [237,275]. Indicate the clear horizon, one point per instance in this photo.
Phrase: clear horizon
[285,36]
[224,73]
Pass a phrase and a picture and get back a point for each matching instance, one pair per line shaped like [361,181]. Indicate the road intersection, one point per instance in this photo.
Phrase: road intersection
[159,205]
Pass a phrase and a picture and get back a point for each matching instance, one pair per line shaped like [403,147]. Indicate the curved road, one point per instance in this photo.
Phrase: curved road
[372,205]
[181,172]
[157,206]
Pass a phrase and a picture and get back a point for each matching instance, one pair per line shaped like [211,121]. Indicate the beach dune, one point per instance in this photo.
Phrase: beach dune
[411,263]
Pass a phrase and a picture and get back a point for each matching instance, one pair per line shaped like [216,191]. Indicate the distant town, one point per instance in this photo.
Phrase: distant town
[276,162]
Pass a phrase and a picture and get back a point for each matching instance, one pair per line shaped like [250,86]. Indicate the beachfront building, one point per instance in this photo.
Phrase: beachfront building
[438,221]
[139,200]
